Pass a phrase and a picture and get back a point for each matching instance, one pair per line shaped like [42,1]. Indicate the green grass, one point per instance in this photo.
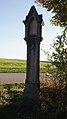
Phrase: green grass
[47,67]
[19,66]
[7,91]
[53,103]
[12,65]
[10,100]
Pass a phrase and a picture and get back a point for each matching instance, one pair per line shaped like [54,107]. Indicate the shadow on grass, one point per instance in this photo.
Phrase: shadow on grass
[11,109]
[16,106]
[53,105]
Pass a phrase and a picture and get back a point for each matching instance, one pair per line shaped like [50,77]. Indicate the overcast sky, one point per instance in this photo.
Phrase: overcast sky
[12,29]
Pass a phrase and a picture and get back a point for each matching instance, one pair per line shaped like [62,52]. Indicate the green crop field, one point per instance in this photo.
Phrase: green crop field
[19,66]
[12,65]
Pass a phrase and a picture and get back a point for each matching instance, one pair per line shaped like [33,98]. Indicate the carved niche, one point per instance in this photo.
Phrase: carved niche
[33,26]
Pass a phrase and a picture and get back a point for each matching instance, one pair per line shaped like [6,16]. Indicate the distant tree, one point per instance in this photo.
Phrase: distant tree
[59,8]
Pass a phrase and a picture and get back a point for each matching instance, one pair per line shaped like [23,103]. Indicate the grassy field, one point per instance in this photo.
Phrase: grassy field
[12,65]
[19,66]
[53,103]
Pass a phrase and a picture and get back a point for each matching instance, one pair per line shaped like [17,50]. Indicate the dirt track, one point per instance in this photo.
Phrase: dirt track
[12,77]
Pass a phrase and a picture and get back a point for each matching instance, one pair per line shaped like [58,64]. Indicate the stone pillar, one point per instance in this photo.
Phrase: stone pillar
[33,38]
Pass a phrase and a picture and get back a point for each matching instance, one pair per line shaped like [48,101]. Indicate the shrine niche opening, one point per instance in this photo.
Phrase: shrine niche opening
[32,27]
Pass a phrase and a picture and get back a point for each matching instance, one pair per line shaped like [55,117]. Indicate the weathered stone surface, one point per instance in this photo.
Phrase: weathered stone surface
[33,38]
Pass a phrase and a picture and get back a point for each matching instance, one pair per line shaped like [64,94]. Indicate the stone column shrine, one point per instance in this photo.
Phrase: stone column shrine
[33,29]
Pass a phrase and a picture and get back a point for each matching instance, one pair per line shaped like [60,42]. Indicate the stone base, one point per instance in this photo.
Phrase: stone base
[31,98]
